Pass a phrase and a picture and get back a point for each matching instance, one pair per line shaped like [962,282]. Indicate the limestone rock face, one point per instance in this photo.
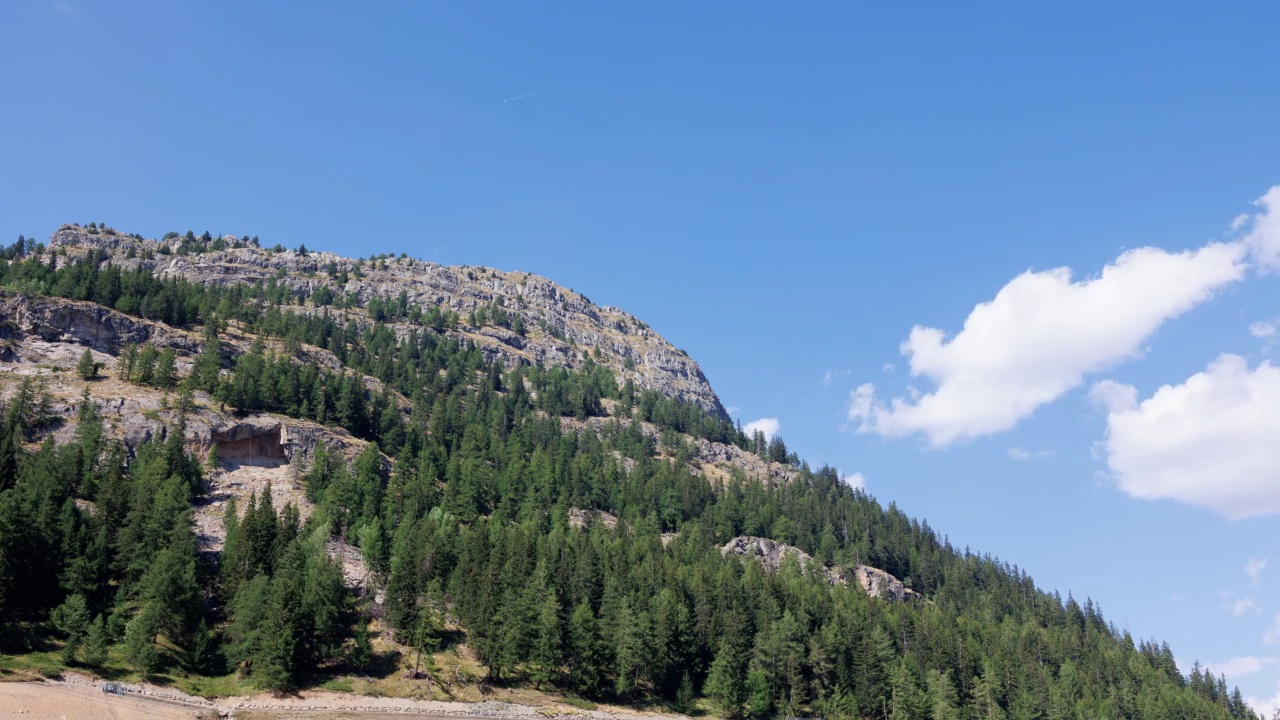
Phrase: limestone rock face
[562,327]
[84,323]
[715,460]
[878,583]
[771,554]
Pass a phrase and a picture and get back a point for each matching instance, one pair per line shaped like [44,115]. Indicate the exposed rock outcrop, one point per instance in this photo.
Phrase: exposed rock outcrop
[772,554]
[85,323]
[715,461]
[562,327]
[579,518]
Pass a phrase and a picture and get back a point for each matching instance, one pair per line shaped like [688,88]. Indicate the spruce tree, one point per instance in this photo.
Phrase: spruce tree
[166,369]
[726,681]
[96,643]
[72,618]
[585,652]
[362,649]
[942,696]
[126,362]
[686,700]
[87,369]
[545,655]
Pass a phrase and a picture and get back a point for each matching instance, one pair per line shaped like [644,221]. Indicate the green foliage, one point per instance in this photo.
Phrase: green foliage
[87,369]
[96,643]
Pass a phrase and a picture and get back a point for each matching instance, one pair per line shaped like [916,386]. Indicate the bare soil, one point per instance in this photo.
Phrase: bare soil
[80,696]
[66,701]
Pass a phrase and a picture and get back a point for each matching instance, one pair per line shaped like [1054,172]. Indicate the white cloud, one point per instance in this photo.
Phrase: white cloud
[1017,453]
[1263,329]
[67,9]
[1263,237]
[1237,666]
[1255,566]
[1243,606]
[1114,396]
[1272,635]
[1265,706]
[1039,337]
[1210,441]
[769,426]
[856,481]
[832,375]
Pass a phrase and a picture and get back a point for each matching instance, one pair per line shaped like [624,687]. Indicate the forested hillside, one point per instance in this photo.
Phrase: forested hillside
[479,505]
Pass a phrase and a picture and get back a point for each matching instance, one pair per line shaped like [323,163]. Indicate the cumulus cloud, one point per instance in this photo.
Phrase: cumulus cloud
[856,480]
[769,426]
[1114,396]
[1022,454]
[1255,566]
[1209,441]
[1038,338]
[1263,329]
[1263,231]
[1237,666]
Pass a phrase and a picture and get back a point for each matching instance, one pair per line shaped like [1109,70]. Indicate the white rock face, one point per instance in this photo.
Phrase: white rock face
[562,327]
[771,554]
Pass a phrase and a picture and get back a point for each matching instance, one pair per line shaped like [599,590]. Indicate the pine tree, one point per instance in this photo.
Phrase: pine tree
[275,662]
[72,618]
[87,369]
[140,646]
[545,655]
[362,650]
[125,363]
[686,700]
[759,694]
[166,369]
[725,683]
[942,696]
[208,366]
[983,703]
[585,651]
[628,650]
[96,643]
[146,364]
[904,695]
[426,635]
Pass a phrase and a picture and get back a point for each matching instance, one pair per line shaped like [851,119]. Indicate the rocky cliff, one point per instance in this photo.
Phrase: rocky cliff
[772,554]
[561,327]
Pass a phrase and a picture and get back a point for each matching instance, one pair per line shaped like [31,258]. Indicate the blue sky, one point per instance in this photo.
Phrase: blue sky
[785,195]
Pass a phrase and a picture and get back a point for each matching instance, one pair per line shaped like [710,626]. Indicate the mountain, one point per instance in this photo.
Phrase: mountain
[236,468]
[552,325]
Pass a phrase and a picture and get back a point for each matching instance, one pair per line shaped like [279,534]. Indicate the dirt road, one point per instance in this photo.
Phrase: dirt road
[65,701]
[80,696]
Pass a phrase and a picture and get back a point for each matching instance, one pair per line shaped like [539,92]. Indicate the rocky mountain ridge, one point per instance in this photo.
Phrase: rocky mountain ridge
[560,327]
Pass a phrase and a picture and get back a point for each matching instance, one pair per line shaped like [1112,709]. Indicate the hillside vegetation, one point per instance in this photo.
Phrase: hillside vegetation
[562,527]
